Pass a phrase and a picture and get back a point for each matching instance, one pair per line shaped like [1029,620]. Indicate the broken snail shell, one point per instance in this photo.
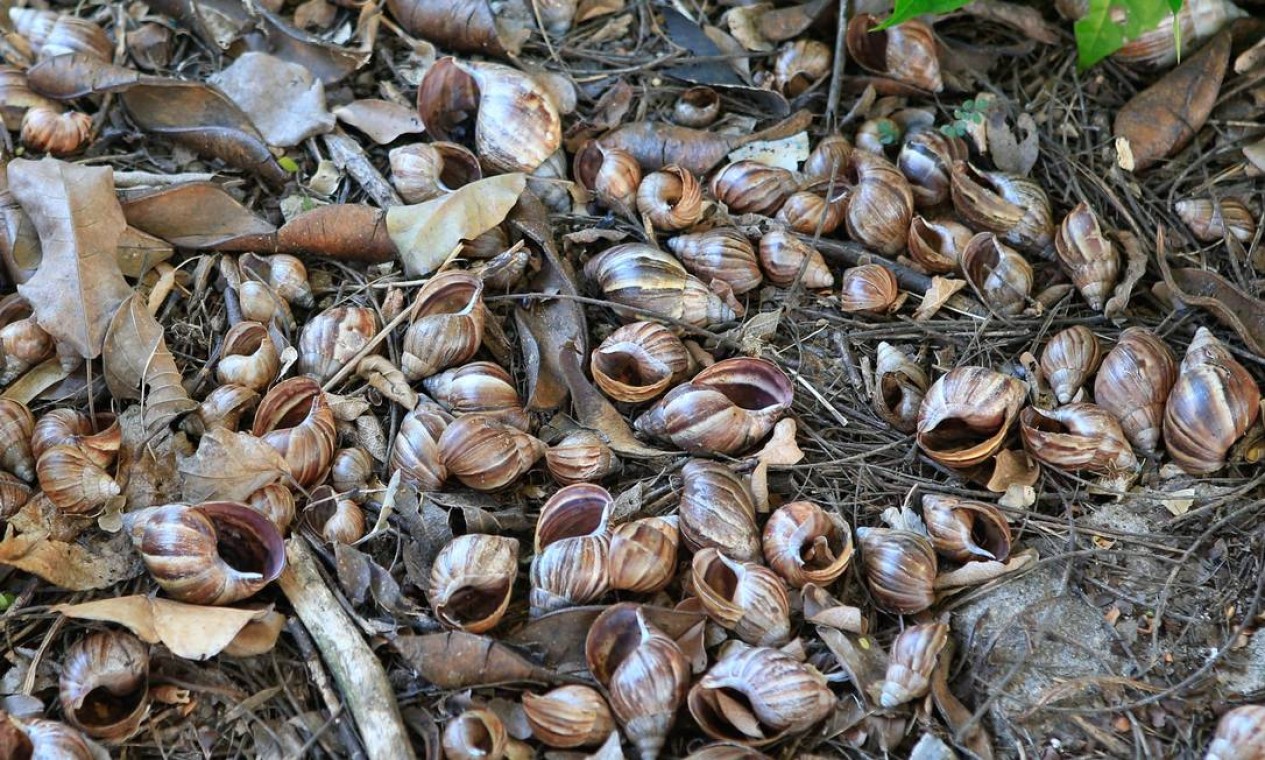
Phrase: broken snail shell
[415,453]
[804,544]
[295,419]
[1015,208]
[799,65]
[900,385]
[333,338]
[722,253]
[471,581]
[900,568]
[906,52]
[914,655]
[422,171]
[1211,220]
[1000,277]
[447,328]
[572,561]
[104,685]
[479,388]
[936,245]
[475,735]
[569,716]
[964,530]
[639,361]
[671,198]
[966,415]
[642,277]
[1078,436]
[744,597]
[249,358]
[750,187]
[643,554]
[697,107]
[611,173]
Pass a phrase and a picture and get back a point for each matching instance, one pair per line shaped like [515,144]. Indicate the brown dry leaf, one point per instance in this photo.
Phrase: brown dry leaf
[1021,17]
[861,658]
[379,372]
[1135,267]
[136,358]
[66,77]
[590,9]
[941,290]
[1252,58]
[381,120]
[199,215]
[283,100]
[257,637]
[782,450]
[960,720]
[230,466]
[1009,152]
[1255,155]
[343,231]
[976,573]
[458,660]
[191,631]
[1013,467]
[78,285]
[427,233]
[1209,290]
[139,252]
[1161,119]
[820,608]
[328,61]
[147,469]
[98,561]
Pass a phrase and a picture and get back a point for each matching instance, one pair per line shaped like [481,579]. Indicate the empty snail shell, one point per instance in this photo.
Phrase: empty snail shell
[964,530]
[640,361]
[804,544]
[36,737]
[416,451]
[1134,383]
[643,277]
[750,187]
[611,173]
[880,203]
[900,385]
[295,419]
[62,34]
[783,255]
[671,198]
[718,510]
[336,519]
[900,568]
[1000,277]
[16,97]
[485,454]
[1077,437]
[1211,220]
[422,171]
[906,52]
[828,158]
[285,274]
[275,502]
[1158,46]
[569,716]
[877,135]
[249,358]
[350,469]
[799,65]
[471,581]
[757,695]
[1013,207]
[73,482]
[104,689]
[1240,734]
[723,253]
[516,123]
[643,554]
[914,655]
[572,549]
[926,159]
[869,289]
[260,304]
[725,409]
[475,735]
[23,344]
[334,337]
[815,208]
[966,415]
[643,670]
[936,245]
[49,129]
[17,425]
[696,107]
[13,495]
[1087,255]
[1068,361]
[447,328]
[222,408]
[1212,405]
[580,457]
[479,388]
[217,552]
[744,597]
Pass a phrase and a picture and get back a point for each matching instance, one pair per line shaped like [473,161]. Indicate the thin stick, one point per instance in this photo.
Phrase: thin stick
[351,365]
[836,75]
[349,156]
[356,669]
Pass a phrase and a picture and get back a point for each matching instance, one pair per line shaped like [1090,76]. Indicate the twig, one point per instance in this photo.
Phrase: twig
[356,669]
[321,679]
[836,74]
[151,179]
[351,364]
[350,157]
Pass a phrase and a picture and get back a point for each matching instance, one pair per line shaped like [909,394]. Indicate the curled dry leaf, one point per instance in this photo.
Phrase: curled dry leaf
[283,100]
[1209,290]
[191,631]
[136,358]
[78,285]
[379,372]
[1135,267]
[230,466]
[427,233]
[98,561]
[66,77]
[656,145]
[382,120]
[781,448]
[139,252]
[343,231]
[331,62]
[458,660]
[941,290]
[199,215]
[976,573]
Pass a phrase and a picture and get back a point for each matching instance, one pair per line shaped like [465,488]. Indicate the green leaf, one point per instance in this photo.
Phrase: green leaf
[289,164]
[907,9]
[1109,24]
[1175,5]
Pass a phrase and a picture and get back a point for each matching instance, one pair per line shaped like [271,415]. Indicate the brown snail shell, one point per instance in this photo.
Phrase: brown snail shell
[1211,220]
[569,716]
[13,496]
[580,457]
[422,171]
[877,135]
[869,289]
[643,554]
[722,253]
[966,415]
[23,344]
[350,469]
[479,388]
[643,277]
[906,52]
[249,357]
[38,738]
[475,735]
[671,198]
[1069,359]
[900,385]
[67,427]
[1134,383]
[49,129]
[639,361]
[416,451]
[104,689]
[696,107]
[914,655]
[744,597]
[447,328]
[1212,405]
[1159,46]
[222,408]
[572,548]
[17,426]
[880,203]
[471,581]
[1077,437]
[804,544]
[217,552]
[335,519]
[725,409]
[718,510]
[936,245]
[285,274]
[828,158]
[964,530]
[900,568]
[485,454]
[1240,735]
[1087,255]
[750,187]
[926,159]
[295,419]
[1015,208]
[334,337]
[73,482]
[275,502]
[815,208]
[782,255]
[611,173]
[1000,277]
[799,65]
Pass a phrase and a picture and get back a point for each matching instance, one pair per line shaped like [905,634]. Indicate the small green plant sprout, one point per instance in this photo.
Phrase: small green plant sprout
[970,112]
[888,132]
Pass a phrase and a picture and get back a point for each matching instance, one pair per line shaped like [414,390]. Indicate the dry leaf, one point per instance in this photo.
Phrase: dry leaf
[283,100]
[1018,496]
[379,372]
[458,660]
[427,233]
[941,290]
[781,450]
[1013,467]
[1209,290]
[230,466]
[1009,153]
[146,468]
[976,573]
[382,120]
[329,61]
[1135,267]
[98,561]
[787,153]
[589,9]
[78,285]
[191,631]
[136,358]
[343,231]
[198,215]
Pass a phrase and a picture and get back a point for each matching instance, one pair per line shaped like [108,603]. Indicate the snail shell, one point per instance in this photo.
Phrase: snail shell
[1134,383]
[104,685]
[1069,359]
[1212,405]
[966,415]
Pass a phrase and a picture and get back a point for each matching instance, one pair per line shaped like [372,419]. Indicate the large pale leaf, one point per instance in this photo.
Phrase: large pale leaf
[78,285]
[198,215]
[191,631]
[283,99]
[139,366]
[230,466]
[427,233]
[97,561]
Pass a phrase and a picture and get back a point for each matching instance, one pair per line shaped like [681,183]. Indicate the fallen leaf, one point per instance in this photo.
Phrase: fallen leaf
[1179,502]
[941,290]
[459,660]
[230,466]
[1161,119]
[1018,496]
[190,631]
[78,285]
[380,373]
[136,358]
[330,62]
[382,120]
[656,145]
[283,100]
[960,720]
[1255,155]
[594,411]
[343,231]
[781,450]
[427,233]
[977,573]
[146,468]
[1021,17]
[787,153]
[75,75]
[861,658]
[1209,290]
[590,9]
[1135,267]
[1010,153]
[198,215]
[97,561]
[139,252]
[1013,467]
[820,608]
